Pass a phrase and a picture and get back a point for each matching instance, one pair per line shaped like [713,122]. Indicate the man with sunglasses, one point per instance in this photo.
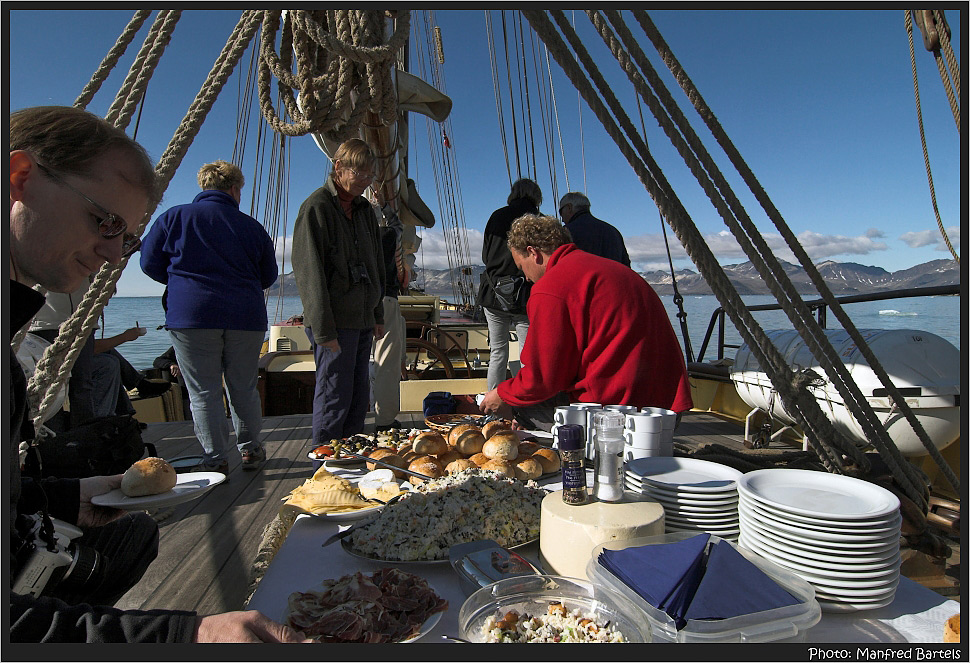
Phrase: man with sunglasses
[78,189]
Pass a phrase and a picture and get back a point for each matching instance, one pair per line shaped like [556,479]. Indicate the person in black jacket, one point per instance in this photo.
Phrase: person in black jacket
[501,276]
[78,188]
[590,234]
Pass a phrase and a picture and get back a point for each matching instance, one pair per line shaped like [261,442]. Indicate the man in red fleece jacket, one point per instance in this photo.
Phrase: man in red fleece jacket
[597,333]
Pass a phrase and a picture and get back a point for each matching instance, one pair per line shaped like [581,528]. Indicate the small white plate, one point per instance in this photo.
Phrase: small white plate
[690,474]
[833,573]
[858,528]
[729,521]
[824,523]
[697,504]
[690,510]
[808,538]
[188,486]
[831,496]
[837,536]
[722,533]
[730,495]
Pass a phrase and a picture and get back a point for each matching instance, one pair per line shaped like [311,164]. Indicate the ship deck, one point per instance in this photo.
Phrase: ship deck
[207,546]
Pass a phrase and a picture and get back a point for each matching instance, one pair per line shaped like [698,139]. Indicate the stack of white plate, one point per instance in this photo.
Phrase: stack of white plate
[839,533]
[697,495]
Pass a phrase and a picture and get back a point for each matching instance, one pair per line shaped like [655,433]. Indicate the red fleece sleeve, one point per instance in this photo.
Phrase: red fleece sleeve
[551,357]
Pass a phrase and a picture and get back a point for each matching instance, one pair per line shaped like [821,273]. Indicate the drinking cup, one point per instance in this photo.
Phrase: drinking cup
[645,423]
[585,405]
[632,453]
[669,421]
[625,409]
[567,414]
[643,440]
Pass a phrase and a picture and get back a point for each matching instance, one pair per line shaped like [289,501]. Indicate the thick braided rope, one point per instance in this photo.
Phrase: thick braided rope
[111,59]
[783,288]
[951,59]
[42,389]
[667,201]
[724,141]
[334,62]
[133,88]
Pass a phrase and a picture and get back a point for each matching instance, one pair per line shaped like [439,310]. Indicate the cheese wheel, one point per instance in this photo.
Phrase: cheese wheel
[469,442]
[148,476]
[549,460]
[503,445]
[430,443]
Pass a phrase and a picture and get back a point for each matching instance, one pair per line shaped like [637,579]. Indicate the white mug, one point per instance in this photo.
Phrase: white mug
[643,440]
[632,453]
[669,422]
[568,414]
[625,409]
[644,423]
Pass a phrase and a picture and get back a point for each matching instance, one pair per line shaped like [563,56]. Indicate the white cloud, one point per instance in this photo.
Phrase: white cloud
[933,238]
[433,252]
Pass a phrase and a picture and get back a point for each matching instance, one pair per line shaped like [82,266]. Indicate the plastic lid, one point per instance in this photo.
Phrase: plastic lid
[609,420]
[571,437]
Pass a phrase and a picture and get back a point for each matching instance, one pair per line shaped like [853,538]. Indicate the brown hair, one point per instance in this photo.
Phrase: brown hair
[69,140]
[220,175]
[526,188]
[544,233]
[356,154]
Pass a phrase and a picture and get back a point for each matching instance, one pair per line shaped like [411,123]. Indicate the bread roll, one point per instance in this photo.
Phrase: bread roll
[426,465]
[448,456]
[455,432]
[404,448]
[469,442]
[492,427]
[430,443]
[387,456]
[479,458]
[951,629]
[456,466]
[148,476]
[501,466]
[503,445]
[528,448]
[528,469]
[548,458]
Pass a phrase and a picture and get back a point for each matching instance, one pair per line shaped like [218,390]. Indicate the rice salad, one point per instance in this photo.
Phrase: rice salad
[557,625]
[470,505]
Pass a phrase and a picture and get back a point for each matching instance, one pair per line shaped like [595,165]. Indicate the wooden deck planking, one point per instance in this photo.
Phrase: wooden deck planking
[207,546]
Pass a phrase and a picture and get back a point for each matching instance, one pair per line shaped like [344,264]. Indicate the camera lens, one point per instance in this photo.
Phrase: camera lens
[86,571]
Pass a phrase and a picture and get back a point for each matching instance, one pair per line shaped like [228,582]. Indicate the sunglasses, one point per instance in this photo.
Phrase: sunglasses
[110,225]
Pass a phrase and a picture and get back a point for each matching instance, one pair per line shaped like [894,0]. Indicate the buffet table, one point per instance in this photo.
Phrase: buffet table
[916,615]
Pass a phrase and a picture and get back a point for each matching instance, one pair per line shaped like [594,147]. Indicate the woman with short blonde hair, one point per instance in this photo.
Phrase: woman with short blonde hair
[221,176]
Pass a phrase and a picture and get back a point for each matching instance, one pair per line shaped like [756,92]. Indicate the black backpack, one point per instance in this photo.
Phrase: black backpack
[102,446]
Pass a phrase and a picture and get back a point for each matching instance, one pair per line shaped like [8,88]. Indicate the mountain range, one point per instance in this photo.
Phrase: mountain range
[843,278]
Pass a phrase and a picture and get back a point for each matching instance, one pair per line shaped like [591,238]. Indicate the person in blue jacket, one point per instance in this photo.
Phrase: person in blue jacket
[216,262]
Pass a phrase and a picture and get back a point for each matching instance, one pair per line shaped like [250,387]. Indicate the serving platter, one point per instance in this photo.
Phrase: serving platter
[443,423]
[684,474]
[855,528]
[863,536]
[813,545]
[832,496]
[842,562]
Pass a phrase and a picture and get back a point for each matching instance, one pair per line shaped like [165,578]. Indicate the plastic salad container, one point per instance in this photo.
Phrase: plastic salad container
[533,594]
[788,623]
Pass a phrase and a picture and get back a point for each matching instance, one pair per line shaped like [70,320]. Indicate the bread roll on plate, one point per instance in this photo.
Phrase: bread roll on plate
[501,466]
[430,443]
[387,456]
[479,459]
[426,465]
[455,432]
[456,466]
[448,456]
[503,445]
[528,448]
[469,442]
[528,468]
[492,427]
[148,476]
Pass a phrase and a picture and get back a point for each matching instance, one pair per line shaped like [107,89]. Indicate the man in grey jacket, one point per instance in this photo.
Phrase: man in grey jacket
[338,265]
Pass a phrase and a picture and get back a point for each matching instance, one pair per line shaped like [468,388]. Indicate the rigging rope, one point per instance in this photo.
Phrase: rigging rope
[922,137]
[496,86]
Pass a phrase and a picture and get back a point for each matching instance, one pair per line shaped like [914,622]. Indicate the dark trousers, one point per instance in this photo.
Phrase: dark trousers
[80,389]
[341,396]
[127,546]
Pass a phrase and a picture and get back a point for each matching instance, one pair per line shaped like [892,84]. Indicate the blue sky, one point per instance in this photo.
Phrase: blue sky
[819,103]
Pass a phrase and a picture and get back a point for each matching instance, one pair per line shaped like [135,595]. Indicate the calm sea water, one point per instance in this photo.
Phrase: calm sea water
[938,315]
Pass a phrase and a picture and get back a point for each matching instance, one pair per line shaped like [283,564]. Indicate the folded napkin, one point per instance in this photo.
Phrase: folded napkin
[687,582]
[656,572]
[733,586]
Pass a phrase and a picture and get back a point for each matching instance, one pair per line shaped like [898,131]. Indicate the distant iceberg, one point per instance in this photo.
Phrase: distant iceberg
[891,311]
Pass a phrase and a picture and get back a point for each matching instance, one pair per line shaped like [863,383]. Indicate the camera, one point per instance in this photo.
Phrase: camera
[50,559]
[358,274]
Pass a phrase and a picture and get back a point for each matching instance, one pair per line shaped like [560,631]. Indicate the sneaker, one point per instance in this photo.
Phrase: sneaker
[253,459]
[393,424]
[148,389]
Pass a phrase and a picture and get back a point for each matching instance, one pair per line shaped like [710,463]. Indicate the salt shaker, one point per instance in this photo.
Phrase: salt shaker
[608,481]
[572,449]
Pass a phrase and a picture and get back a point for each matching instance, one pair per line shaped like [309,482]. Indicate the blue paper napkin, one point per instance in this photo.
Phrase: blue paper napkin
[656,572]
[733,586]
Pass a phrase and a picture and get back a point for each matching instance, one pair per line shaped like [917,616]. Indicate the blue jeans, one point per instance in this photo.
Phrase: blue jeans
[206,356]
[499,324]
[341,397]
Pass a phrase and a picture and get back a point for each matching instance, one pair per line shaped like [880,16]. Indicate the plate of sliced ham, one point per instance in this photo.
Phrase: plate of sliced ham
[387,606]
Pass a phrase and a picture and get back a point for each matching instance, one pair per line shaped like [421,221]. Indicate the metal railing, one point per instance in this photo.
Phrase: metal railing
[819,309]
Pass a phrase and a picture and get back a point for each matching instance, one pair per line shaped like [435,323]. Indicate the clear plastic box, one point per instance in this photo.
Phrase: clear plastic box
[788,624]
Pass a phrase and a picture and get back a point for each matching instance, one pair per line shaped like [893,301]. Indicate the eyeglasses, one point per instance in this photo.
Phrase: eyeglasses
[367,177]
[110,225]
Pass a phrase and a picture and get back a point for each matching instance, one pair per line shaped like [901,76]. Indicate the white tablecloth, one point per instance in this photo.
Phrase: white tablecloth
[916,615]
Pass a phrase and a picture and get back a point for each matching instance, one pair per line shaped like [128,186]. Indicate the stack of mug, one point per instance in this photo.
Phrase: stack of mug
[648,431]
